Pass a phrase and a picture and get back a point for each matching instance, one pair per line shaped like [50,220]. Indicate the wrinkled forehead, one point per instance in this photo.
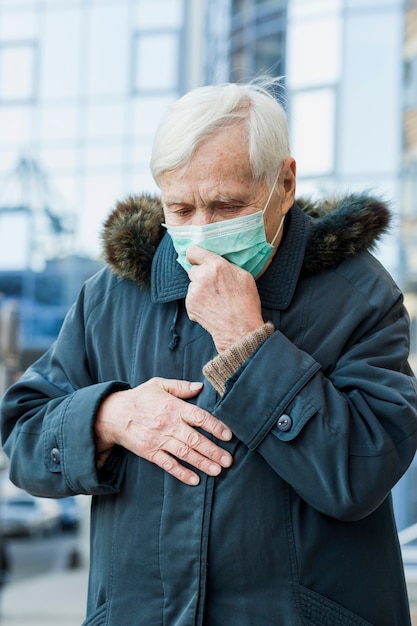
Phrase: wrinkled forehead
[223,155]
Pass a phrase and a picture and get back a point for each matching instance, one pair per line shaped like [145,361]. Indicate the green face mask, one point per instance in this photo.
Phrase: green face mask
[240,240]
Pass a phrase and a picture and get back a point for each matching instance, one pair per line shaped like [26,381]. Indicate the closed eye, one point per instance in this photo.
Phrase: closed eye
[227,207]
[184,212]
[179,210]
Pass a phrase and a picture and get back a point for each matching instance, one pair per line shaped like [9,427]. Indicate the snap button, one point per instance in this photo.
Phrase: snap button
[284,423]
[56,456]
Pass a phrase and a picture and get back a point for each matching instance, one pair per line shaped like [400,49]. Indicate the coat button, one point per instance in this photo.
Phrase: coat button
[56,455]
[284,423]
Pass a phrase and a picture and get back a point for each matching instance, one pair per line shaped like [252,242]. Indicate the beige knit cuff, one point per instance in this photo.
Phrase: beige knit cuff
[224,365]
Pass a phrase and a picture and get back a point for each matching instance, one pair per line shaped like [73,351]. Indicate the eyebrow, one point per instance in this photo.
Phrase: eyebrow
[221,199]
[227,199]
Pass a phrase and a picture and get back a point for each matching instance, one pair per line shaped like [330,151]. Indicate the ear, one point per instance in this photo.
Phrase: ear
[287,184]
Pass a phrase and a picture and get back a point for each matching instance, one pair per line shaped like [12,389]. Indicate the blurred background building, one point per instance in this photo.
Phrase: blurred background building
[83,84]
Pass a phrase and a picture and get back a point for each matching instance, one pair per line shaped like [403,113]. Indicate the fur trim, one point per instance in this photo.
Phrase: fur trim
[131,235]
[340,229]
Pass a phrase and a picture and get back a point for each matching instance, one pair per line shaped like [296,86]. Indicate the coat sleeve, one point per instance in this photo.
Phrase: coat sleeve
[47,420]
[340,438]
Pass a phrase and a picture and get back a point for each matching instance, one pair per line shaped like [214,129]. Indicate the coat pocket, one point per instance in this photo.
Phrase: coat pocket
[320,611]
[98,618]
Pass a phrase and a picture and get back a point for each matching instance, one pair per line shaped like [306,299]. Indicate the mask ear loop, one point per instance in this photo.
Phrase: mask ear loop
[278,230]
[271,192]
[267,204]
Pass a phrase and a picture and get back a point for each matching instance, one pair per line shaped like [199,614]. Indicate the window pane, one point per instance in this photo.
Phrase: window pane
[101,192]
[159,13]
[156,62]
[142,181]
[58,123]
[60,54]
[14,240]
[17,72]
[105,120]
[370,107]
[66,187]
[58,159]
[314,54]
[104,156]
[304,8]
[8,160]
[107,55]
[15,124]
[19,25]
[269,55]
[312,124]
[148,111]
[371,4]
[19,4]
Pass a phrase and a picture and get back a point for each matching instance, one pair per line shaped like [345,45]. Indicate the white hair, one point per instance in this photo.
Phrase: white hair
[204,111]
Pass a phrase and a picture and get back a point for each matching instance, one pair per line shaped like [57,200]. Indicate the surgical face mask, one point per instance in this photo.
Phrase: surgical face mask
[240,240]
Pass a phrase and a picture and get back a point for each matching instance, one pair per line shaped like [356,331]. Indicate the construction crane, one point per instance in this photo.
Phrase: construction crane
[27,192]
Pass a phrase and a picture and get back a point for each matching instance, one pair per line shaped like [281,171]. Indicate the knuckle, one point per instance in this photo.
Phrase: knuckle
[193,439]
[192,316]
[160,420]
[198,417]
[167,405]
[167,464]
[153,456]
[182,451]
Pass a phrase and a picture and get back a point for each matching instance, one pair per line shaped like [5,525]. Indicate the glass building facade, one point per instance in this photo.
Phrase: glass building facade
[82,86]
[248,38]
[409,170]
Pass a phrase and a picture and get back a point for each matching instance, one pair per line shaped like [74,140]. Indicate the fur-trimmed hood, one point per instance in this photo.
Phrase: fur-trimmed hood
[340,228]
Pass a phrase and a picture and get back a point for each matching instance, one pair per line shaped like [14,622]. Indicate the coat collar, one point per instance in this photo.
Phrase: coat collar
[317,236]
[276,287]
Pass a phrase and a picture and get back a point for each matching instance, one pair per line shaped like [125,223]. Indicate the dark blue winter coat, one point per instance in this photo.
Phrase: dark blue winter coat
[300,530]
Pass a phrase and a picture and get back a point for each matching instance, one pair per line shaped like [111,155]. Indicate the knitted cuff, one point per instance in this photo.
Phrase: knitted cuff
[224,365]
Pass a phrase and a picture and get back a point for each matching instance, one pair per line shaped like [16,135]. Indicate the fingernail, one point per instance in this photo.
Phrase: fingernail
[215,470]
[227,434]
[194,480]
[195,386]
[226,461]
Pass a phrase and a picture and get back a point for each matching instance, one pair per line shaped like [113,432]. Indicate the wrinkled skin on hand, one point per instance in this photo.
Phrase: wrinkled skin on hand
[155,422]
[222,298]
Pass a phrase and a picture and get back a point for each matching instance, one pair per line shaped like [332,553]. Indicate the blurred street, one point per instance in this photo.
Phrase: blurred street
[34,556]
[54,597]
[48,576]
[48,583]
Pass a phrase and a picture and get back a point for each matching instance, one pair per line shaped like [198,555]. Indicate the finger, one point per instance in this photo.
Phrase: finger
[197,255]
[168,463]
[195,416]
[183,452]
[180,388]
[191,441]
